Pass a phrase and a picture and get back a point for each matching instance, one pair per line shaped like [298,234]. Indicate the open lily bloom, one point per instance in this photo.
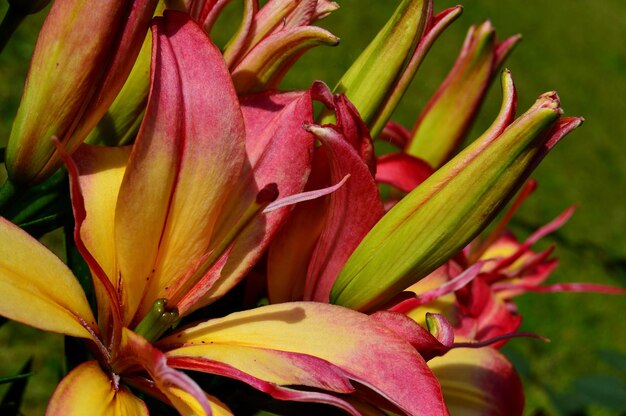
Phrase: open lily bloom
[171,225]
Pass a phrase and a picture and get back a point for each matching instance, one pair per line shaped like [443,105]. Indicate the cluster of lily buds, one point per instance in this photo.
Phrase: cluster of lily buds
[268,42]
[373,305]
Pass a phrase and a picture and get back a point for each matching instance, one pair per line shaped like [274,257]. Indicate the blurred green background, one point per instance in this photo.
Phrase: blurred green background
[573,46]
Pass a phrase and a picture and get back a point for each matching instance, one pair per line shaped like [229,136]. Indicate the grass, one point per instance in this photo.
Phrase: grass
[569,45]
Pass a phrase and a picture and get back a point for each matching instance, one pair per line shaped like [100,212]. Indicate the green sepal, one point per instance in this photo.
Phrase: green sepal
[121,122]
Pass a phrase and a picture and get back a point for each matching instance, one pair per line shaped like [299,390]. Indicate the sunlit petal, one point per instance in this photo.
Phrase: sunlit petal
[101,170]
[45,294]
[87,390]
[279,151]
[188,154]
[478,382]
[352,342]
[183,393]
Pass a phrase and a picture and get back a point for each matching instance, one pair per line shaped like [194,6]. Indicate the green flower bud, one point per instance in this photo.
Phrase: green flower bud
[449,114]
[83,55]
[439,217]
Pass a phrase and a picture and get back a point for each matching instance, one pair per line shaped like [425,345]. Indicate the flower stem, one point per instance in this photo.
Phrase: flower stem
[7,192]
[9,25]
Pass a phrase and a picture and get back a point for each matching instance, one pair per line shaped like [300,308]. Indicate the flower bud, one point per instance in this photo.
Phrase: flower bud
[449,114]
[83,55]
[370,78]
[271,40]
[445,212]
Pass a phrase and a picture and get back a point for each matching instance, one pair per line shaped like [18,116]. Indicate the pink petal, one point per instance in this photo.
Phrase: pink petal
[423,341]
[396,134]
[336,338]
[279,150]
[304,196]
[352,212]
[136,351]
[402,170]
[186,160]
[273,389]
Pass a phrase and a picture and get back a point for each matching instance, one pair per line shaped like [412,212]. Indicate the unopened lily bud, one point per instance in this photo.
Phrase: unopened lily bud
[271,40]
[373,74]
[278,15]
[83,55]
[445,212]
[449,114]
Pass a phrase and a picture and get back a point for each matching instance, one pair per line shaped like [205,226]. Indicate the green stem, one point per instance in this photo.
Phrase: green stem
[9,25]
[7,192]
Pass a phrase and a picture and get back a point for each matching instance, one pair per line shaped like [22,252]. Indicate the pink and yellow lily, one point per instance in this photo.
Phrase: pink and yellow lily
[172,225]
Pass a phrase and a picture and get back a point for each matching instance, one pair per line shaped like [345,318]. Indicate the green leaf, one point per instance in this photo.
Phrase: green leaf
[12,400]
[11,379]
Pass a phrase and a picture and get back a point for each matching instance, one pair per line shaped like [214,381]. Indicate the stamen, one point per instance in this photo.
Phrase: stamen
[157,321]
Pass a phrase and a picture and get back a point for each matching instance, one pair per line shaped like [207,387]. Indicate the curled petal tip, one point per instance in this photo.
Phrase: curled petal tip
[549,100]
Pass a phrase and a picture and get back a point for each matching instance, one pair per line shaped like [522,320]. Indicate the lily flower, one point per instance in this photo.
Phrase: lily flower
[82,58]
[172,225]
[475,293]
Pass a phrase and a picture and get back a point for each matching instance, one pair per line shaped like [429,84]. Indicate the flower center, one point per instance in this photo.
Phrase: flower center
[158,320]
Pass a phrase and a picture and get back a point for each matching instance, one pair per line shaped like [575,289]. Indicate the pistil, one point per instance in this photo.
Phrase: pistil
[158,320]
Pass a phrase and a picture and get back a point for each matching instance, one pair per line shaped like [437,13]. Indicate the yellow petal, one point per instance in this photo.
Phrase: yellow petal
[183,393]
[38,289]
[444,305]
[478,382]
[101,170]
[313,344]
[217,407]
[87,390]
[187,405]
